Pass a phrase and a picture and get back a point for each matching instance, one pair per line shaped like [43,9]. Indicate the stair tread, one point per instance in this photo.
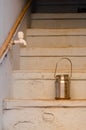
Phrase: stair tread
[17,103]
[57,15]
[25,74]
[55,38]
[50,52]
[55,32]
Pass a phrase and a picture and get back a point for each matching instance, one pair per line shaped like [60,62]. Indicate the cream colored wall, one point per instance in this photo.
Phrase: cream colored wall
[5,83]
[9,11]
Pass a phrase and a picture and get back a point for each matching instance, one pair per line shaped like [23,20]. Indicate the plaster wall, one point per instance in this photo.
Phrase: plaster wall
[9,11]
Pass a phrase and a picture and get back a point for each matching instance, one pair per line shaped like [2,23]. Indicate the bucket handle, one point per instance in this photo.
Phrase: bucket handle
[64,58]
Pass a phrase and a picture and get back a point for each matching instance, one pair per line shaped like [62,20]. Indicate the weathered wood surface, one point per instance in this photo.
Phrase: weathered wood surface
[54,52]
[28,85]
[47,46]
[56,32]
[54,38]
[58,16]
[48,64]
[18,103]
[26,114]
[58,20]
[58,23]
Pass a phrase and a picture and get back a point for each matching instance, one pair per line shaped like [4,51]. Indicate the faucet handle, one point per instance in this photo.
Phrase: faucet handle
[20,39]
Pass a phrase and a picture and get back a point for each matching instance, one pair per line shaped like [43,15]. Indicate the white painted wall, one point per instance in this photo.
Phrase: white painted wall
[9,11]
[5,83]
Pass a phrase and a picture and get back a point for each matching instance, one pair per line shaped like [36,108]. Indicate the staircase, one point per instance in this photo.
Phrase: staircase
[33,105]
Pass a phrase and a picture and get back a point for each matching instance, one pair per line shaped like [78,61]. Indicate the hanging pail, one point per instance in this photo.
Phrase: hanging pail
[62,82]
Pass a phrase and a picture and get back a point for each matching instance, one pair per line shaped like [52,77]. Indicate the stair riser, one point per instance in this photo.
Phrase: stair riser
[58,16]
[63,51]
[56,41]
[49,118]
[45,89]
[39,23]
[56,32]
[48,64]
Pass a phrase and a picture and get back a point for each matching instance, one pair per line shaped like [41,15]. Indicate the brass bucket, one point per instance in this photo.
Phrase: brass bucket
[62,82]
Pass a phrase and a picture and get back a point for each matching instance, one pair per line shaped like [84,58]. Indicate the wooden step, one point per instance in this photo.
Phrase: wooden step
[42,85]
[57,43]
[53,52]
[59,24]
[56,32]
[48,63]
[26,75]
[18,103]
[26,114]
[45,59]
[58,16]
[58,20]
[56,37]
